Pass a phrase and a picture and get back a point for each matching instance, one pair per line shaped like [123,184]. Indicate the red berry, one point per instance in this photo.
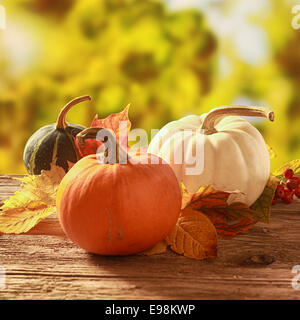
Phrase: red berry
[280,186]
[288,191]
[290,185]
[288,196]
[297,192]
[288,199]
[296,179]
[293,183]
[280,193]
[289,173]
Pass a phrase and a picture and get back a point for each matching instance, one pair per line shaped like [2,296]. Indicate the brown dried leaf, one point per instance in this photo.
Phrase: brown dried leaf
[194,236]
[159,248]
[232,218]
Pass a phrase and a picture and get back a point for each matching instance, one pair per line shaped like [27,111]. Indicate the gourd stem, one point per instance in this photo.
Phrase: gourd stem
[216,114]
[120,155]
[61,120]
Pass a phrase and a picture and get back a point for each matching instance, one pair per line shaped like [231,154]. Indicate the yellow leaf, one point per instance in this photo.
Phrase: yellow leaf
[194,236]
[35,201]
[159,248]
[294,164]
[20,221]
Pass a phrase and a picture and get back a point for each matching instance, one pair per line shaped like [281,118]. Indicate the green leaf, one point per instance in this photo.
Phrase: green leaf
[295,165]
[263,204]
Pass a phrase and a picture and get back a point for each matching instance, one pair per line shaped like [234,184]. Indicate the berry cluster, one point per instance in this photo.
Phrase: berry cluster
[286,190]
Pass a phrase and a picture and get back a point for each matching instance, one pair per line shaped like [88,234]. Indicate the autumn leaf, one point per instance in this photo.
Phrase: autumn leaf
[35,201]
[264,203]
[113,121]
[232,219]
[294,165]
[119,123]
[229,219]
[205,196]
[159,248]
[194,236]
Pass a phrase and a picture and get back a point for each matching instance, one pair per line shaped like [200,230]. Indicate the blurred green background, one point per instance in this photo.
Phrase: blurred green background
[168,58]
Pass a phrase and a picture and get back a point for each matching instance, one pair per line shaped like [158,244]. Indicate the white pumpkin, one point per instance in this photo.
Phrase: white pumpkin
[219,149]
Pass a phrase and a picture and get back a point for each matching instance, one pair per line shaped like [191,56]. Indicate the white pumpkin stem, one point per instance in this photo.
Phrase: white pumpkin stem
[218,113]
[91,133]
[61,120]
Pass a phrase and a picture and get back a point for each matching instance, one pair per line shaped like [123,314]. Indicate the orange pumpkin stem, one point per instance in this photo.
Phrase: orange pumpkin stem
[118,155]
[218,113]
[61,120]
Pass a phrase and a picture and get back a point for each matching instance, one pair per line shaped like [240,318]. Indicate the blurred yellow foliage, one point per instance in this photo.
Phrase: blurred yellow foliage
[131,51]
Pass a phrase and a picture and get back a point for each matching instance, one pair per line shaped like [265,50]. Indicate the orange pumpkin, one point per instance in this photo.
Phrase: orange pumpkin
[118,208]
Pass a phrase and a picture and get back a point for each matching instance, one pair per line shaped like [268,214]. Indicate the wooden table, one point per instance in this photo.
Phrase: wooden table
[44,264]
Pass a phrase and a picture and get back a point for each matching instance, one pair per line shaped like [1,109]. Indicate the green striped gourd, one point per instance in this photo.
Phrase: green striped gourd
[53,143]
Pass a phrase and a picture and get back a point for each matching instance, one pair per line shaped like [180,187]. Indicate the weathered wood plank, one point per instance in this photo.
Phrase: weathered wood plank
[8,185]
[44,264]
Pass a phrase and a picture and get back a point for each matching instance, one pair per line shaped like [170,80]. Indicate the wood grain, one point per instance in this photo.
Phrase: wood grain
[44,264]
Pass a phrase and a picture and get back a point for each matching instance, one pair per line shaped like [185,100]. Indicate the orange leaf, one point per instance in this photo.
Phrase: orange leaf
[194,236]
[228,219]
[231,220]
[205,196]
[119,123]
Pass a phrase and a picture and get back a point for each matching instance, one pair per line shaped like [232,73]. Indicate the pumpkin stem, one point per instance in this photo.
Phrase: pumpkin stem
[91,133]
[61,120]
[218,113]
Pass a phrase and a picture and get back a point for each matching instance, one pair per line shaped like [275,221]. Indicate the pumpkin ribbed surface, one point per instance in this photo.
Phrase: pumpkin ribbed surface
[232,155]
[118,209]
